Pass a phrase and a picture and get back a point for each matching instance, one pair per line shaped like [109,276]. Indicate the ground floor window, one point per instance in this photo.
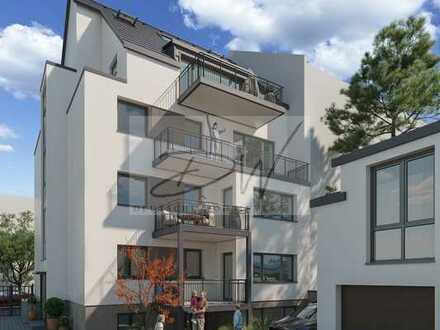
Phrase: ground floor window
[127,270]
[274,268]
[131,321]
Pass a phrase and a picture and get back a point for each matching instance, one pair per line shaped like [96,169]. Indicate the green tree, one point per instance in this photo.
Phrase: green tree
[396,88]
[16,248]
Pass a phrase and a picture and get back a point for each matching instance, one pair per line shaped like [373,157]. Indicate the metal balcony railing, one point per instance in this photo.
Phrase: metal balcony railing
[233,290]
[206,67]
[200,213]
[291,169]
[176,141]
[211,69]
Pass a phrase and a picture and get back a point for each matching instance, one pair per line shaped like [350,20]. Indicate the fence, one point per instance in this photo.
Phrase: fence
[11,297]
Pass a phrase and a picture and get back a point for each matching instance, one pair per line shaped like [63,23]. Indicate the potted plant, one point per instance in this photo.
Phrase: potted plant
[54,308]
[63,323]
[32,313]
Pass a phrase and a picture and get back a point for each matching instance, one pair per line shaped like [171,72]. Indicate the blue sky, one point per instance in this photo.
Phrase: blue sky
[333,34]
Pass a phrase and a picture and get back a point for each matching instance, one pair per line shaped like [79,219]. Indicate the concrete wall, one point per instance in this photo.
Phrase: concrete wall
[343,240]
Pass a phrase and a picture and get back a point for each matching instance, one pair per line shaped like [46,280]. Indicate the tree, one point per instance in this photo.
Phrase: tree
[16,248]
[396,88]
[151,292]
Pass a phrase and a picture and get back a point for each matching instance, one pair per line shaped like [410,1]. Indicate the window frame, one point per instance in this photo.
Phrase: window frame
[294,269]
[293,217]
[147,248]
[136,176]
[133,104]
[244,137]
[131,317]
[185,263]
[403,223]
[114,66]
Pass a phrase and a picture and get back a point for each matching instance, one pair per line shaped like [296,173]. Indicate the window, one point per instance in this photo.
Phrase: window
[255,151]
[132,119]
[403,210]
[114,66]
[274,268]
[131,321]
[132,190]
[193,138]
[127,270]
[193,264]
[273,205]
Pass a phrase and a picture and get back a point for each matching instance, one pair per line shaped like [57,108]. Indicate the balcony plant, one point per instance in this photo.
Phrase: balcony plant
[54,308]
[63,322]
[32,308]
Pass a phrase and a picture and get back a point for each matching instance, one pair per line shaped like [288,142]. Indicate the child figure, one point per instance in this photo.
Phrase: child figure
[194,304]
[160,324]
[238,318]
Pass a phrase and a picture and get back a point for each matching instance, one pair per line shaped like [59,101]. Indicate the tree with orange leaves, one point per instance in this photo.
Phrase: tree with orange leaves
[149,291]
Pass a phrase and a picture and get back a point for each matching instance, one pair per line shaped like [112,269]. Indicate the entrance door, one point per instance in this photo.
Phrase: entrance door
[227,276]
[42,292]
[388,308]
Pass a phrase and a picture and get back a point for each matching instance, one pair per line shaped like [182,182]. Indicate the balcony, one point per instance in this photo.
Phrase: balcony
[289,169]
[226,90]
[201,221]
[203,156]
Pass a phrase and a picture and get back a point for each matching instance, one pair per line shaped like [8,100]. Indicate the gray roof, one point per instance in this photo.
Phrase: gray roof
[413,135]
[139,34]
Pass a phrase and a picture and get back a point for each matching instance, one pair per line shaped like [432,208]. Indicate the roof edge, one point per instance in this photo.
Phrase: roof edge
[415,134]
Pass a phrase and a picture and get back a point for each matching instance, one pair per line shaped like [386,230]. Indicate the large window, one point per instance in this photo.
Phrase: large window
[255,151]
[132,190]
[131,321]
[273,205]
[132,119]
[403,210]
[274,268]
[127,269]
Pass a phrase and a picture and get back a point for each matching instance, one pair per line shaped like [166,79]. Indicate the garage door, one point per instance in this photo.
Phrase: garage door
[387,308]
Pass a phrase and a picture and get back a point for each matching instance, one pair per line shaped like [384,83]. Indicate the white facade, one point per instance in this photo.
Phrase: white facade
[84,153]
[344,240]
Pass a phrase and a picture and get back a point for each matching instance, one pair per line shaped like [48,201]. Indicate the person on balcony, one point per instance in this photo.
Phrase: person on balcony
[215,142]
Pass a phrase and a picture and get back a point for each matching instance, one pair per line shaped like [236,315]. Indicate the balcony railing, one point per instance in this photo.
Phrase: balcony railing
[215,71]
[176,141]
[233,291]
[200,213]
[291,169]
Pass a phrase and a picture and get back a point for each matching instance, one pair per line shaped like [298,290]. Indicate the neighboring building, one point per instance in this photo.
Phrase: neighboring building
[16,204]
[129,108]
[378,246]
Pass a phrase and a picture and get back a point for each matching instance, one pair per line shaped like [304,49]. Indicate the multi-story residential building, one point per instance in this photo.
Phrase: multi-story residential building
[150,141]
[378,245]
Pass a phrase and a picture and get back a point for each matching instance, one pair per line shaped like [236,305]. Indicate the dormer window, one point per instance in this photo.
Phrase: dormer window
[114,66]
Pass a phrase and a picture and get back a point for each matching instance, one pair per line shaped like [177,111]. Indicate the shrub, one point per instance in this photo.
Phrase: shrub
[225,327]
[64,321]
[54,307]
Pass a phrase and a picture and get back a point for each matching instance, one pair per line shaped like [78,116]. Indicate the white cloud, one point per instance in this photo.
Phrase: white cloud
[6,148]
[430,27]
[6,132]
[240,44]
[320,28]
[23,51]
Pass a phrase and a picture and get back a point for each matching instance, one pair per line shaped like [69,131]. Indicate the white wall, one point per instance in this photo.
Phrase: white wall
[343,240]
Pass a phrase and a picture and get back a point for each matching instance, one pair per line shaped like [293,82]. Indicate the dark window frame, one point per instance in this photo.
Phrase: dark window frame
[132,104]
[294,261]
[185,263]
[131,317]
[132,277]
[138,177]
[114,66]
[403,223]
[245,136]
[293,217]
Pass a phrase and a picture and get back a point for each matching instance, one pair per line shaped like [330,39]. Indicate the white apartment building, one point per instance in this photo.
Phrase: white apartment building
[378,242]
[148,140]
